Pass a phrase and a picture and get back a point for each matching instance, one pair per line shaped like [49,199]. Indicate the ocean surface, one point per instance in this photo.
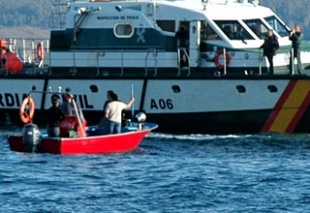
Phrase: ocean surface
[167,173]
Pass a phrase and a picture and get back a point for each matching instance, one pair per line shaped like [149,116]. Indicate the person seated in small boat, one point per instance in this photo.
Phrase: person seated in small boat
[74,124]
[67,105]
[113,114]
[55,116]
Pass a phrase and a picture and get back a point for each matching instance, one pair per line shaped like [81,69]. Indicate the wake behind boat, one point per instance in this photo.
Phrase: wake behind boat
[196,66]
[76,138]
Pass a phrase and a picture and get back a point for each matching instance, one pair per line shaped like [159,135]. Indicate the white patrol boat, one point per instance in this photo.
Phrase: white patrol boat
[193,66]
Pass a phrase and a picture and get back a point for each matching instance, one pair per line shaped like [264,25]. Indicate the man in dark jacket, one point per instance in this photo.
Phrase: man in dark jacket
[55,116]
[270,46]
[296,38]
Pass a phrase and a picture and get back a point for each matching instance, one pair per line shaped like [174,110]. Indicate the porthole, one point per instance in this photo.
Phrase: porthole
[240,89]
[93,88]
[176,89]
[272,89]
[123,30]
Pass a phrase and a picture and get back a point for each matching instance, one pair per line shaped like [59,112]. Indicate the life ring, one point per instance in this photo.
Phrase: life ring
[40,51]
[217,59]
[26,111]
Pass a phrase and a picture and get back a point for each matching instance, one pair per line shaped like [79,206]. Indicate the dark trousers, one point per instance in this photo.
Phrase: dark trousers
[53,131]
[270,60]
[299,67]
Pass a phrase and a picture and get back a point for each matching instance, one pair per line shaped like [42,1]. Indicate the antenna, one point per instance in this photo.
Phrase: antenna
[154,15]
[204,3]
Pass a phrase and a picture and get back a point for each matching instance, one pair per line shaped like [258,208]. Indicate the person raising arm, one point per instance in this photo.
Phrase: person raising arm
[113,113]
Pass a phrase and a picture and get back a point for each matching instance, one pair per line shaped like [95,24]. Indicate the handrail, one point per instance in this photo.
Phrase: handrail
[182,51]
[155,61]
[99,60]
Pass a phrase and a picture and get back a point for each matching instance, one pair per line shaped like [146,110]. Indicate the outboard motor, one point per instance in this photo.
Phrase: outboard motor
[31,137]
[140,117]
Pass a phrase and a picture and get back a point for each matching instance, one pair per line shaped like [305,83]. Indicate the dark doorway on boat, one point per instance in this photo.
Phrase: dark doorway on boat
[182,41]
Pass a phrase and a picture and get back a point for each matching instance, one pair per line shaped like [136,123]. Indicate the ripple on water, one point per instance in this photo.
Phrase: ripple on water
[167,173]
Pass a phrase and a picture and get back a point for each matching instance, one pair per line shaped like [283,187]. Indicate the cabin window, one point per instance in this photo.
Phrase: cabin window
[207,33]
[167,25]
[234,30]
[258,27]
[277,25]
[123,30]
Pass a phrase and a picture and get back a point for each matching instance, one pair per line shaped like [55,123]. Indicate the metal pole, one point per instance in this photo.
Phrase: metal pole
[224,54]
[292,61]
[24,51]
[133,105]
[260,58]
[78,117]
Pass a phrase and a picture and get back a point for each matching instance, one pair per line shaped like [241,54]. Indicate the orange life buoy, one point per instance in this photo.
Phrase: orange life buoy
[217,59]
[26,111]
[40,51]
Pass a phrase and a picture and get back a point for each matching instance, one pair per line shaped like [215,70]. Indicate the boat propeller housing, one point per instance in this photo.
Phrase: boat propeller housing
[31,137]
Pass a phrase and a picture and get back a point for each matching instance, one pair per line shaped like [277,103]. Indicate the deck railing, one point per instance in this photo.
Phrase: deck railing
[151,60]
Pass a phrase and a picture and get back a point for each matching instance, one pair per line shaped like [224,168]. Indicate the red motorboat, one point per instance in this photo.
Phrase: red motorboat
[84,140]
[33,141]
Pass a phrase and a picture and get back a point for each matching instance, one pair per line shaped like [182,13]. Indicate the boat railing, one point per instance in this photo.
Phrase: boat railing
[27,49]
[147,58]
[34,54]
[108,62]
[184,61]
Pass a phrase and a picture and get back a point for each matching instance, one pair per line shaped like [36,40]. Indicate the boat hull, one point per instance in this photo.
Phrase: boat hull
[97,144]
[206,81]
[226,105]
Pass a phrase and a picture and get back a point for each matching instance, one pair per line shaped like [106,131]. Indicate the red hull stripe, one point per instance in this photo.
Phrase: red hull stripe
[290,108]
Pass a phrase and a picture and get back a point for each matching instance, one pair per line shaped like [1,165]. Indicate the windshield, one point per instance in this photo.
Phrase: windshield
[207,32]
[234,30]
[258,27]
[277,25]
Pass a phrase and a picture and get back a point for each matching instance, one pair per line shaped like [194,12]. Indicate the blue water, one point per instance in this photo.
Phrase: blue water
[189,173]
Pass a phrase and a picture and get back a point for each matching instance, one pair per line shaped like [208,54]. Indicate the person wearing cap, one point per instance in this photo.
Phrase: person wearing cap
[113,113]
[55,116]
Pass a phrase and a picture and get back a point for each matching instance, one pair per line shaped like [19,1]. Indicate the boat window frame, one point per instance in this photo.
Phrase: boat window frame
[237,31]
[118,35]
[207,32]
[285,30]
[260,33]
[167,25]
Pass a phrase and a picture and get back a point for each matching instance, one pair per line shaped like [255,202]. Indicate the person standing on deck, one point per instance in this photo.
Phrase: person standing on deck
[270,47]
[182,36]
[113,113]
[296,37]
[103,120]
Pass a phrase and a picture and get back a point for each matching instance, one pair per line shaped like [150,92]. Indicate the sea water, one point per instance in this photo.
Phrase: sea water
[167,173]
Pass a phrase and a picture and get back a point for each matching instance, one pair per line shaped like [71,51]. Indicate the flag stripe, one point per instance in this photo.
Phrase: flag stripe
[290,108]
